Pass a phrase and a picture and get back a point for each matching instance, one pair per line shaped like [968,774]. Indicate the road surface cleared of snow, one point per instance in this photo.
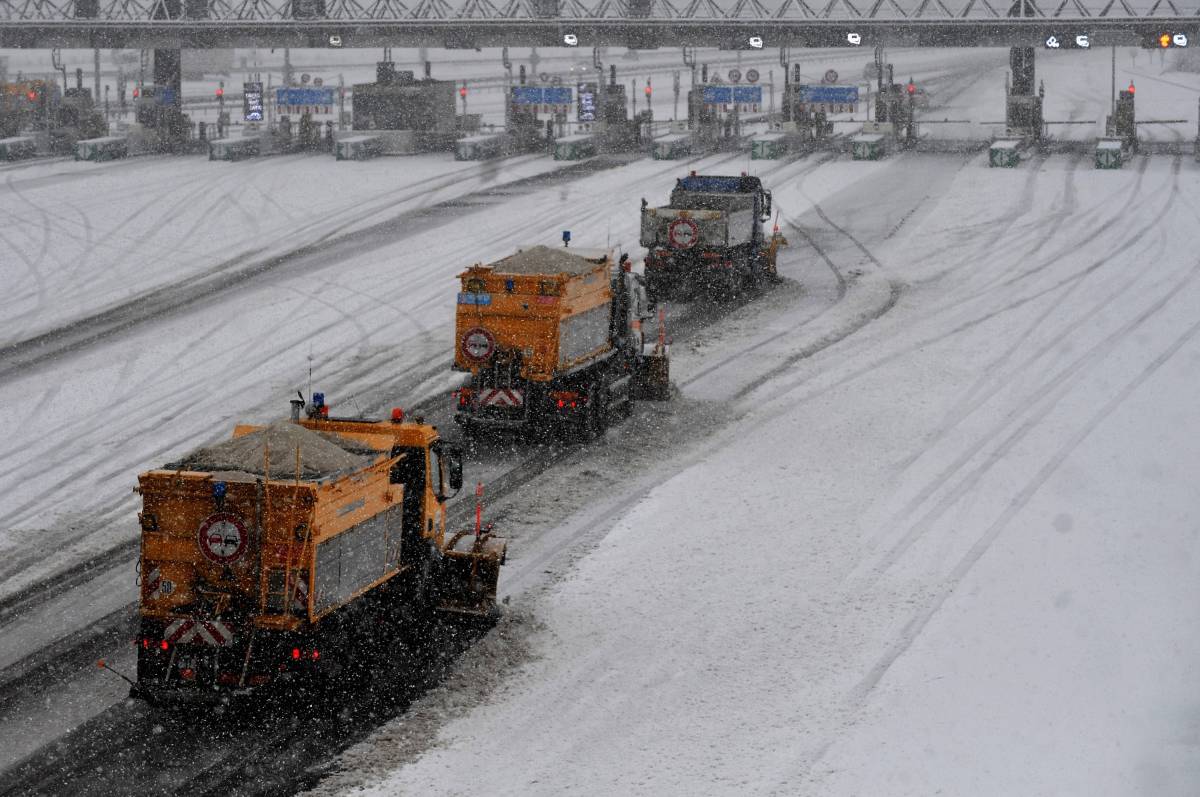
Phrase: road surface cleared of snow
[955,552]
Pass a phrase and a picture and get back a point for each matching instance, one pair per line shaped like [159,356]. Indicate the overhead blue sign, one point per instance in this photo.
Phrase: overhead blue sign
[527,95]
[832,95]
[726,95]
[747,94]
[541,95]
[717,95]
[304,96]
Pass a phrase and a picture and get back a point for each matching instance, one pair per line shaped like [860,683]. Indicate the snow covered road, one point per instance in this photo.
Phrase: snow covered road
[953,552]
[921,477]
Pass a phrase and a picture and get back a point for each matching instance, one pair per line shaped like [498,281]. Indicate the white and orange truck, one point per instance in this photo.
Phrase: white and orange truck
[553,344]
[260,555]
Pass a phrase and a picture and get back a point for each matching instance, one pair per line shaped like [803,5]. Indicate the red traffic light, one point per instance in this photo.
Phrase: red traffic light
[1131,89]
[136,92]
[648,91]
[912,87]
[220,92]
[462,92]
[32,96]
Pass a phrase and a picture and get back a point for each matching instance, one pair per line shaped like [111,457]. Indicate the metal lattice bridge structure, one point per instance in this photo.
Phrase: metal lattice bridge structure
[730,24]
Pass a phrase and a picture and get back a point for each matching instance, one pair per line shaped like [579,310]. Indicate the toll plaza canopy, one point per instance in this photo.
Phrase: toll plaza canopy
[453,24]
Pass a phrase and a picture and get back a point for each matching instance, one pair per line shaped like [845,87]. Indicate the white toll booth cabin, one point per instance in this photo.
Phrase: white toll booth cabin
[17,148]
[478,148]
[101,149]
[575,148]
[672,146]
[1005,153]
[1111,153]
[358,148]
[769,146]
[868,146]
[234,149]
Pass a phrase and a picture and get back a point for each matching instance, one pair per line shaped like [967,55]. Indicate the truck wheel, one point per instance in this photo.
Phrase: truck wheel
[589,425]
[602,411]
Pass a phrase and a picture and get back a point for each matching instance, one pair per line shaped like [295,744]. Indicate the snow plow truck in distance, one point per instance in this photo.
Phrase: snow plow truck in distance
[552,339]
[709,238]
[259,555]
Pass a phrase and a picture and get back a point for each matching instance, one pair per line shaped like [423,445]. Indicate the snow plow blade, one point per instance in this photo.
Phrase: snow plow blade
[472,565]
[652,380]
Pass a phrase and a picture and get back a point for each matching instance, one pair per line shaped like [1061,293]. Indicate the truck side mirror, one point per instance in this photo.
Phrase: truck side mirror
[454,455]
[766,205]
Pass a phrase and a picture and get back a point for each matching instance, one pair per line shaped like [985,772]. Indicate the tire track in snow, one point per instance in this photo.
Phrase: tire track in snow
[918,623]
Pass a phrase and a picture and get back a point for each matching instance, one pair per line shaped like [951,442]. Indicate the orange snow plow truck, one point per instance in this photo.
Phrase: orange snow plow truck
[260,554]
[553,342]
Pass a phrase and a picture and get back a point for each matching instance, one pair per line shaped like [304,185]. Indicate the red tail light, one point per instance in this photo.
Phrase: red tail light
[164,644]
[316,654]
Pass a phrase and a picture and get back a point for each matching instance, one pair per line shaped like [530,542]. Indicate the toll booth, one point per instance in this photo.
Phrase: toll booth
[533,112]
[807,108]
[716,113]
[894,106]
[397,101]
[1023,108]
[28,105]
[1122,123]
[77,120]
[156,109]
[620,133]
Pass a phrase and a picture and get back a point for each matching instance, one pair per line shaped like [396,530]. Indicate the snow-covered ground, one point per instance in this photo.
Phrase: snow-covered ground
[942,539]
[913,561]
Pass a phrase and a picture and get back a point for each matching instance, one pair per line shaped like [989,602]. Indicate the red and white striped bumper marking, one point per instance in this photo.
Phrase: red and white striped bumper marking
[501,397]
[158,587]
[210,632]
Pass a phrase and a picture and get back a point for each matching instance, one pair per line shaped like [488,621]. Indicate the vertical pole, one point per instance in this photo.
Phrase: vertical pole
[96,81]
[341,102]
[478,508]
[1113,91]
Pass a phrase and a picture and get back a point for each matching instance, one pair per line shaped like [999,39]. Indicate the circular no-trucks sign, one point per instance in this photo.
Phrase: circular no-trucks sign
[831,76]
[751,75]
[683,233]
[222,538]
[478,344]
[734,75]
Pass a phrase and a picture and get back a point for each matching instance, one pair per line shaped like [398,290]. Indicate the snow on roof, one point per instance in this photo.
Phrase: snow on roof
[322,454]
[546,260]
